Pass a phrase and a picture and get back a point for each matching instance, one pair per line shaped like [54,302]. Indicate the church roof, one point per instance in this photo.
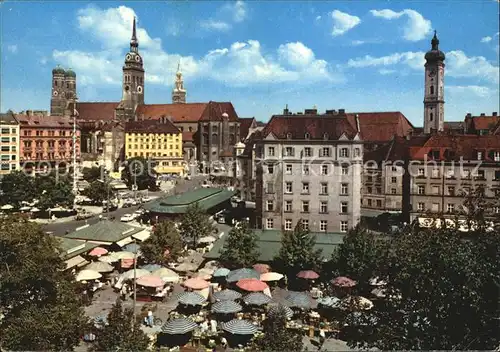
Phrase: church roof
[151,126]
[381,126]
[245,125]
[189,112]
[95,111]
[215,110]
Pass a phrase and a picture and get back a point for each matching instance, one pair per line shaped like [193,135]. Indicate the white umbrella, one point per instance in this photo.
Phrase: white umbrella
[123,255]
[34,210]
[100,267]
[87,275]
[128,275]
[207,239]
[7,207]
[271,276]
[108,259]
[25,208]
[166,275]
[207,271]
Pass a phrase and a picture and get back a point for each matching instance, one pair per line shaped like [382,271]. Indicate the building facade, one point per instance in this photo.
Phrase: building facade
[158,141]
[309,170]
[47,141]
[9,146]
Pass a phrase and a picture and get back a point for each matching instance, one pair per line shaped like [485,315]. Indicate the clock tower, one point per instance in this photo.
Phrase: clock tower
[434,88]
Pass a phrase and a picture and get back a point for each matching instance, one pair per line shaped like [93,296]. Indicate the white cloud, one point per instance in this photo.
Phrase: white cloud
[480,91]
[486,39]
[384,71]
[43,60]
[239,11]
[173,28]
[318,18]
[12,48]
[343,22]
[242,63]
[215,25]
[416,28]
[413,59]
[357,42]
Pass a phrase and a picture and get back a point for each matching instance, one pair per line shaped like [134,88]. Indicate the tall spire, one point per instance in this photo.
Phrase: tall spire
[133,41]
[435,41]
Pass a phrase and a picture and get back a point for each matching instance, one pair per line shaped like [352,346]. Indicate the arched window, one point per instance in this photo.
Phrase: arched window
[432,89]
[214,137]
[307,136]
[431,116]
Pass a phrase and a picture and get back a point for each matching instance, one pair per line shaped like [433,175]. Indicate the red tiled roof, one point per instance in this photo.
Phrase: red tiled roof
[215,110]
[151,126]
[381,126]
[245,124]
[190,112]
[485,122]
[96,111]
[44,121]
[395,149]
[187,136]
[315,125]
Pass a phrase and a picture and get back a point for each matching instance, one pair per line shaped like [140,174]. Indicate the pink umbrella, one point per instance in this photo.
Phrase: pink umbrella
[98,251]
[343,281]
[252,285]
[308,274]
[261,268]
[196,283]
[150,281]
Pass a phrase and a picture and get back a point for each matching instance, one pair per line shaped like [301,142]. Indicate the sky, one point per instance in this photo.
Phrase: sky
[360,56]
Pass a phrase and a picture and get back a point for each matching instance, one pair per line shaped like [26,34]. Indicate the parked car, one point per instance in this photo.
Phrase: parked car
[127,217]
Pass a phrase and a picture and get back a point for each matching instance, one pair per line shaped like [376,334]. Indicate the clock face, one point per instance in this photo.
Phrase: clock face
[138,58]
[55,93]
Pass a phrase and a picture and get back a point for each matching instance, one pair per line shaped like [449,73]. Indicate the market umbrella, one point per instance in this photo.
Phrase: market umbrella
[108,259]
[100,267]
[343,281]
[87,275]
[128,275]
[226,295]
[25,208]
[98,251]
[207,239]
[331,302]
[239,327]
[239,274]
[379,292]
[151,267]
[226,307]
[221,272]
[299,300]
[272,276]
[178,326]
[207,271]
[184,267]
[252,285]
[276,308]
[150,281]
[35,210]
[191,298]
[376,281]
[308,275]
[203,276]
[196,283]
[256,299]
[357,302]
[7,207]
[132,247]
[261,268]
[123,255]
[166,275]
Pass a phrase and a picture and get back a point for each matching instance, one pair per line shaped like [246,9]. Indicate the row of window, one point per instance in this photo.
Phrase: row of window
[47,133]
[8,139]
[344,188]
[436,190]
[215,129]
[323,225]
[154,146]
[308,152]
[160,137]
[450,207]
[6,148]
[7,157]
[8,167]
[306,169]
[153,155]
[323,206]
[8,131]
[168,163]
[47,156]
[450,173]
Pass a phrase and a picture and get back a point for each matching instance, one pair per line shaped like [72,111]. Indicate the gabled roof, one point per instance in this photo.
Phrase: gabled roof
[395,149]
[484,122]
[316,126]
[215,110]
[8,118]
[454,126]
[381,126]
[96,110]
[151,126]
[104,231]
[44,121]
[189,112]
[245,124]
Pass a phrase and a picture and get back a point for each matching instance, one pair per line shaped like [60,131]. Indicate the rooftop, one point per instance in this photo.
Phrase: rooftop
[104,231]
[151,126]
[8,118]
[44,121]
[269,244]
[96,111]
[71,248]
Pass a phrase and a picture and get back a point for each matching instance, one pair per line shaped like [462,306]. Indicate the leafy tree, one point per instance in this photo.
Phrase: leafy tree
[52,191]
[17,187]
[139,171]
[165,237]
[98,192]
[195,223]
[277,337]
[122,333]
[297,251]
[240,247]
[91,174]
[37,298]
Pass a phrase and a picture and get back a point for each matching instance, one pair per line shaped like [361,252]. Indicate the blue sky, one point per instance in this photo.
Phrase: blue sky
[356,55]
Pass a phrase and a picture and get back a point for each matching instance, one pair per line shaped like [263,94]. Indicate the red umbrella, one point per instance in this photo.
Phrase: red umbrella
[261,268]
[252,285]
[343,281]
[308,274]
[98,251]
[196,283]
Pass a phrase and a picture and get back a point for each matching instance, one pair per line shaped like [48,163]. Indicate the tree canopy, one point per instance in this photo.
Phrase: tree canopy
[164,245]
[140,171]
[91,174]
[37,298]
[54,191]
[17,187]
[195,223]
[240,248]
[122,333]
[98,191]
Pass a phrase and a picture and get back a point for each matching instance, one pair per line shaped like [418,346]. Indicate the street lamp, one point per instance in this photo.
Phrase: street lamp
[104,180]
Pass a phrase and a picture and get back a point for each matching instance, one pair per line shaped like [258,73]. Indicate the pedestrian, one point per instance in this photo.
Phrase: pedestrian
[322,337]
[150,318]
[223,342]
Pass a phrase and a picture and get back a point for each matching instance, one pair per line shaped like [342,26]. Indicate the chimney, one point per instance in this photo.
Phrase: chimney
[483,114]
[331,112]
[310,111]
[356,117]
[285,110]
[494,113]
[341,111]
[469,115]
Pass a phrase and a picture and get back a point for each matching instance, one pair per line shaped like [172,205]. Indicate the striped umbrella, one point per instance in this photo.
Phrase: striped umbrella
[257,299]
[239,327]
[226,295]
[240,274]
[276,308]
[178,326]
[221,272]
[226,307]
[191,298]
[299,299]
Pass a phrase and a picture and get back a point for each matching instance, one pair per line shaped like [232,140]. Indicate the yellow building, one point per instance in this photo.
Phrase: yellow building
[157,140]
[9,143]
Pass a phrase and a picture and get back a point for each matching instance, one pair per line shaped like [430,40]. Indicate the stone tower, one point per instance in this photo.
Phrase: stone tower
[70,94]
[58,96]
[179,93]
[132,81]
[434,88]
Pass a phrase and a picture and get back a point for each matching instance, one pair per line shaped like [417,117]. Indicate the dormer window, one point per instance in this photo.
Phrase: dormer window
[288,135]
[325,136]
[307,135]
[479,155]
[496,156]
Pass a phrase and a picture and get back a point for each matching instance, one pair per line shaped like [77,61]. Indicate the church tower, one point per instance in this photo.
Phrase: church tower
[179,93]
[434,88]
[132,81]
[58,97]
